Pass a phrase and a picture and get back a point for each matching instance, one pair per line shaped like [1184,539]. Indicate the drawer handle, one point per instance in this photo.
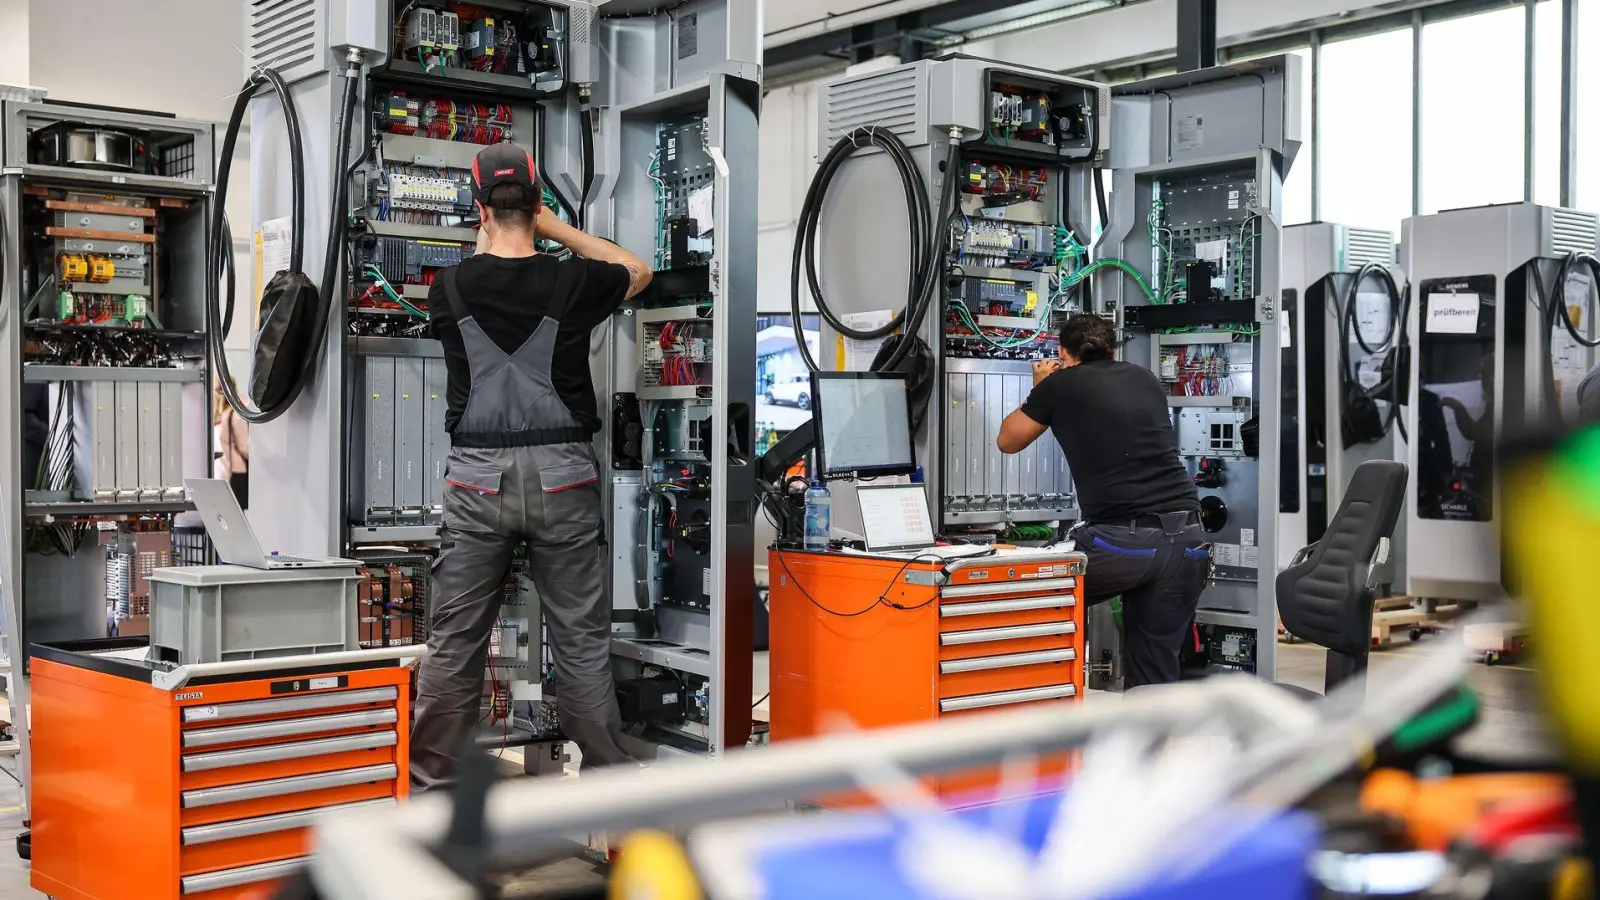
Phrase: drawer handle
[232,734]
[1015,632]
[947,610]
[1006,698]
[279,787]
[226,878]
[248,708]
[1009,660]
[238,828]
[222,759]
[983,589]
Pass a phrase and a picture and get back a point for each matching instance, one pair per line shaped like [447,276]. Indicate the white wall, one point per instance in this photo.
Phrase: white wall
[14,55]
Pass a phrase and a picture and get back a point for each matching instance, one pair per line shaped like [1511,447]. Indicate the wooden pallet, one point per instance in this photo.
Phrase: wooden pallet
[1415,616]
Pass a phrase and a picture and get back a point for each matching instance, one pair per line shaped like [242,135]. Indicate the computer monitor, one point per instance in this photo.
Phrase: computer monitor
[863,424]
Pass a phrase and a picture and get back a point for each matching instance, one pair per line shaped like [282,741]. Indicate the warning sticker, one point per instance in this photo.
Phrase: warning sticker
[1189,133]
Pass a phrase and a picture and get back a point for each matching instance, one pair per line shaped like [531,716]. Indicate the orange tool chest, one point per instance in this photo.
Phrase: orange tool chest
[882,640]
[206,790]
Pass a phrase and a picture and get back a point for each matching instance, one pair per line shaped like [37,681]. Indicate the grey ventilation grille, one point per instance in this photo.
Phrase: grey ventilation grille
[1571,231]
[287,35]
[580,20]
[893,100]
[1364,245]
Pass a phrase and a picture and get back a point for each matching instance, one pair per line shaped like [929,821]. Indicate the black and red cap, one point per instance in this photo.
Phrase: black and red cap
[503,163]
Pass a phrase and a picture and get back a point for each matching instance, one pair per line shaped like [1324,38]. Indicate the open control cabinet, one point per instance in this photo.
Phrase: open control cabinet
[642,124]
[1199,161]
[679,366]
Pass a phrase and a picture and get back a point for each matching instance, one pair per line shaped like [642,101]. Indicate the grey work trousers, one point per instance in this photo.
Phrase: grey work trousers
[494,499]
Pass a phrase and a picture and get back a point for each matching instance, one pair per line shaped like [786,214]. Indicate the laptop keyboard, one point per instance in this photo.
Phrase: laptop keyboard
[282,558]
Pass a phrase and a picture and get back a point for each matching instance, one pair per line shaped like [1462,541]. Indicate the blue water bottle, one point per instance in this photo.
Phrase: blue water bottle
[819,516]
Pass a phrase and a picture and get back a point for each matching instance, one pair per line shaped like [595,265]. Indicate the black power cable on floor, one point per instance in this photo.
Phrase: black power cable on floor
[926,230]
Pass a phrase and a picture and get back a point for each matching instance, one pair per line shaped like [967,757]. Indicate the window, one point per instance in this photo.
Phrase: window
[1365,131]
[1587,103]
[1547,103]
[1472,139]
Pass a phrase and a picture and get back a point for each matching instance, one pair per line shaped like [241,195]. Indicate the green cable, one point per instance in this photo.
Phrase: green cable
[1125,267]
[383,282]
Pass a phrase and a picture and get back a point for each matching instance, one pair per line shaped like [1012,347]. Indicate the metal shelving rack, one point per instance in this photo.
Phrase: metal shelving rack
[63,597]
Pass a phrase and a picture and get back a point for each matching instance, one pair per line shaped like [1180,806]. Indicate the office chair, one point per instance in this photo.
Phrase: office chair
[1325,595]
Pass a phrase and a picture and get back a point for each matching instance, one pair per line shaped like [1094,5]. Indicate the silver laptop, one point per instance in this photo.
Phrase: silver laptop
[231,535]
[895,519]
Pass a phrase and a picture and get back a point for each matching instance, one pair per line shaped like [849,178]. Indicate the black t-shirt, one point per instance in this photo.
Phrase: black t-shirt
[509,298]
[1113,423]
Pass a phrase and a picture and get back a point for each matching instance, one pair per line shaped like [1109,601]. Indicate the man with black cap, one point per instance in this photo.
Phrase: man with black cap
[521,412]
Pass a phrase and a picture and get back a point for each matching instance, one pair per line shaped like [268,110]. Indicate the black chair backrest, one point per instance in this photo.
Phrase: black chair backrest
[1324,598]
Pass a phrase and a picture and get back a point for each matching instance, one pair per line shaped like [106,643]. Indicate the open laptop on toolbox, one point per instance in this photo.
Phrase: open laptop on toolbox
[230,532]
[895,520]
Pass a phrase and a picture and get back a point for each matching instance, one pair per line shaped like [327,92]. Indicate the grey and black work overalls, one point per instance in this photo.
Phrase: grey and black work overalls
[1158,564]
[520,469]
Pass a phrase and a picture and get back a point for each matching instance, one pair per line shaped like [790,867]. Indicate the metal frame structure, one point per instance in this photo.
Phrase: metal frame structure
[630,66]
[1223,129]
[66,600]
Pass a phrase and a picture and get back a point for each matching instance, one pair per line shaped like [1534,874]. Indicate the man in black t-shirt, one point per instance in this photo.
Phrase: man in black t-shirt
[521,414]
[1141,523]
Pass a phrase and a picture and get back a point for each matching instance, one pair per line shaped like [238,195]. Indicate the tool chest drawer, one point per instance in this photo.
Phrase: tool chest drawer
[229,768]
[1008,638]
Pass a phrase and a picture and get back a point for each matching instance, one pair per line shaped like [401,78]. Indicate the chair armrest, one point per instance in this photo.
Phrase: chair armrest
[1305,551]
[1379,559]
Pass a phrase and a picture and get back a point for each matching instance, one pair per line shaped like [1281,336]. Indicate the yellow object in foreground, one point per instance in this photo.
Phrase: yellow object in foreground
[1552,533]
[653,866]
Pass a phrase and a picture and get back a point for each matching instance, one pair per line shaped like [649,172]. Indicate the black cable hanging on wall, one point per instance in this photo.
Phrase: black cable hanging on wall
[294,311]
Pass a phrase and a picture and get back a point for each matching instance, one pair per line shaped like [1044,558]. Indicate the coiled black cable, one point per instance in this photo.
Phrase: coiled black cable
[332,259]
[1556,310]
[1394,342]
[926,264]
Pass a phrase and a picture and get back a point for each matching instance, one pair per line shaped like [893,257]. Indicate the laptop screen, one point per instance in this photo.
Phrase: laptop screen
[895,517]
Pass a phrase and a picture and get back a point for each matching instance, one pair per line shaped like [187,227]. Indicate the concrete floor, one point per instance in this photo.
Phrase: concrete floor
[1510,728]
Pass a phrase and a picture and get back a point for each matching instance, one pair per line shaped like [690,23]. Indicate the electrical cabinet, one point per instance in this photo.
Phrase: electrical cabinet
[1348,342]
[1500,340]
[105,398]
[642,125]
[1198,161]
[1012,262]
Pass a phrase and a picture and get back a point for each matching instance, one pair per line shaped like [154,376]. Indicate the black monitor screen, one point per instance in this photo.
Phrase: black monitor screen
[863,424]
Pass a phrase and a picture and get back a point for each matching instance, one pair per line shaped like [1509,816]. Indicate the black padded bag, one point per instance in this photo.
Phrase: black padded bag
[283,342]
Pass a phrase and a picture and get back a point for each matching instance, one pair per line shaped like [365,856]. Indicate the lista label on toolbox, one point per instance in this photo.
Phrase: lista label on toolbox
[304,685]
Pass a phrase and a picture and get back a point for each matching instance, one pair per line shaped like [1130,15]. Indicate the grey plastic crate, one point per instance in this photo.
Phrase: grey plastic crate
[203,614]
